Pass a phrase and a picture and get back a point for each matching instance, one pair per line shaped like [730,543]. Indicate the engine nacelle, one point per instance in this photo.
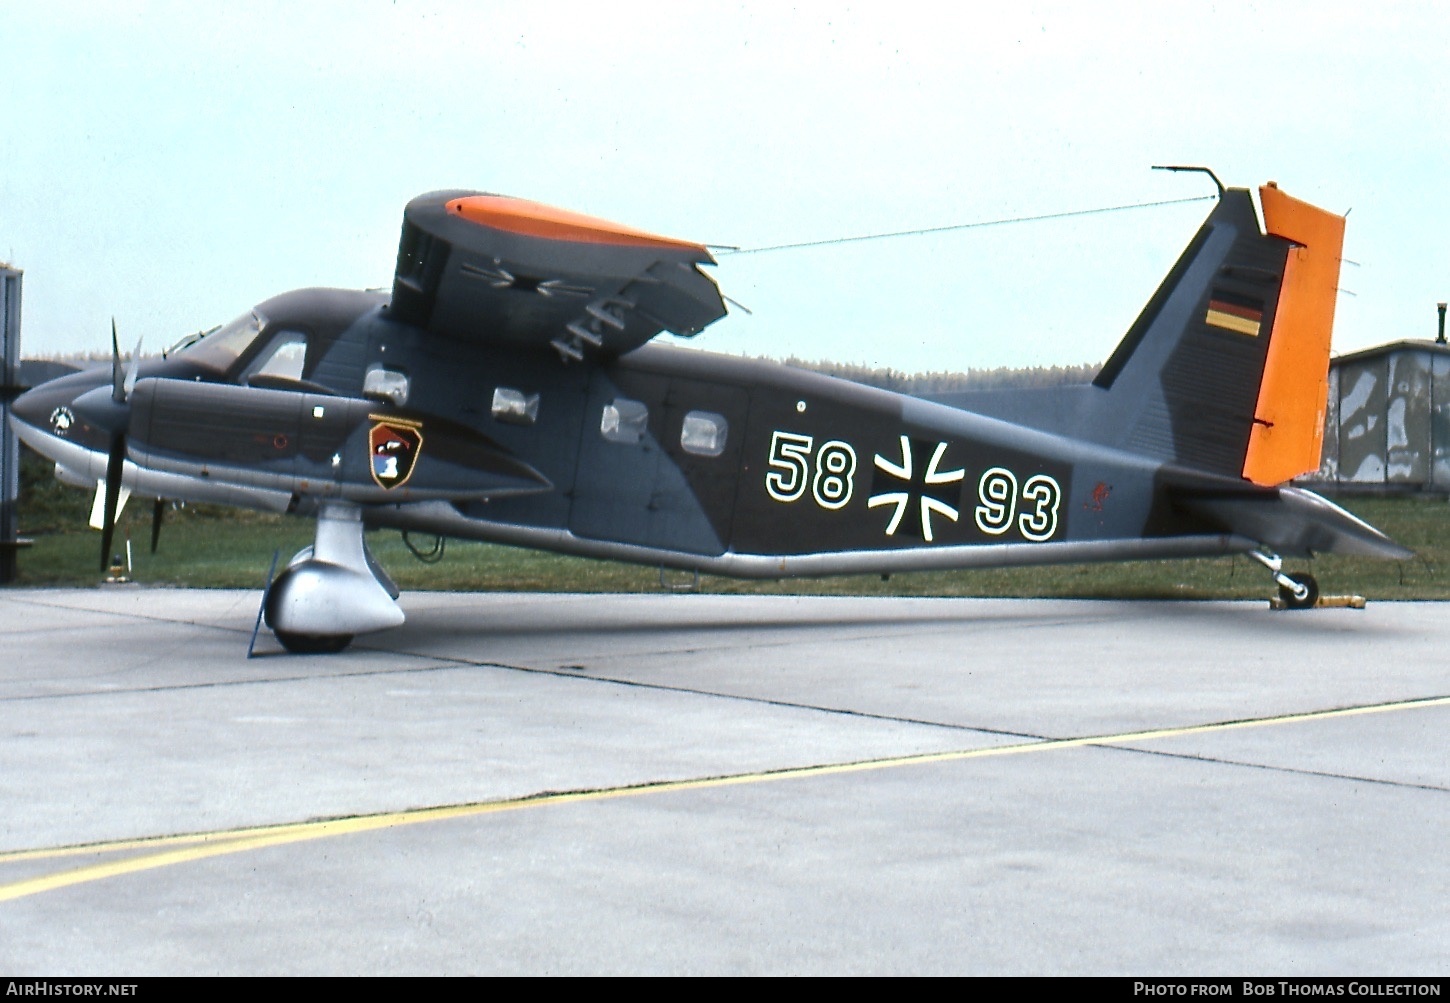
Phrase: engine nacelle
[316,444]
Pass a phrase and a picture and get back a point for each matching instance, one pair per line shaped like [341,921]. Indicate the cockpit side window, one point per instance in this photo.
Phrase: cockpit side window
[221,348]
[283,359]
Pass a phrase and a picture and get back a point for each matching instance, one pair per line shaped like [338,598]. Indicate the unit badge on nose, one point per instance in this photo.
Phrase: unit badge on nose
[61,419]
[395,446]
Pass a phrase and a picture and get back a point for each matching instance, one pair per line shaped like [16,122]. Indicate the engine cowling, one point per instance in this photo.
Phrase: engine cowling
[317,444]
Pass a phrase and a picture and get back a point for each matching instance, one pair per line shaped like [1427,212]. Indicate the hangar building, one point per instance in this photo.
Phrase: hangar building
[1387,423]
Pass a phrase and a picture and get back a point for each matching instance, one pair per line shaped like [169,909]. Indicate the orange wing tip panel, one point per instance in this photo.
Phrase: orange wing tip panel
[534,219]
[1288,432]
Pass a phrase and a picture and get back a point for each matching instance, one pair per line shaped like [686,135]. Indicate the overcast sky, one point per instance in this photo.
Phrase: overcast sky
[173,164]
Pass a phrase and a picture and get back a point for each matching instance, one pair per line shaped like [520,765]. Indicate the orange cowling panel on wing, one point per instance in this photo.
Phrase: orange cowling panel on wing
[534,219]
[1288,431]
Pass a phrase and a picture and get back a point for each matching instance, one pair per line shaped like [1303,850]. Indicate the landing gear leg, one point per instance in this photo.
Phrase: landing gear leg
[1296,591]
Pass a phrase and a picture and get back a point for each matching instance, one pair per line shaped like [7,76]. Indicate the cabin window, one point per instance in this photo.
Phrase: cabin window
[382,383]
[703,433]
[514,407]
[624,421]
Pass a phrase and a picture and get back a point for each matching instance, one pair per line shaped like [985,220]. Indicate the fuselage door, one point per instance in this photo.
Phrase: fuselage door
[658,461]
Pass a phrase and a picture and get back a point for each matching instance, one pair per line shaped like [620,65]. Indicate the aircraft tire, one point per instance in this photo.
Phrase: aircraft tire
[313,644]
[1293,602]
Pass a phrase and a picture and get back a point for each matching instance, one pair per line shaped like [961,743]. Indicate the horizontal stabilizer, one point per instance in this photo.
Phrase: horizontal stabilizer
[1291,521]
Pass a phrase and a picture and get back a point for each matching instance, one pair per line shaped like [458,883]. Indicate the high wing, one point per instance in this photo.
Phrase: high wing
[496,269]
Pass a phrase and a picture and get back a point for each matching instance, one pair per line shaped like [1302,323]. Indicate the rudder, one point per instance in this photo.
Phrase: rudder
[1288,431]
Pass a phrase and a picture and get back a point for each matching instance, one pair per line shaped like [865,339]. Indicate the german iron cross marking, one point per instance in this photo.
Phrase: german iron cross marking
[930,489]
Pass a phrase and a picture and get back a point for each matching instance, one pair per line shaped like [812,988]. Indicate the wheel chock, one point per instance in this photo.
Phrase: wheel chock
[1325,602]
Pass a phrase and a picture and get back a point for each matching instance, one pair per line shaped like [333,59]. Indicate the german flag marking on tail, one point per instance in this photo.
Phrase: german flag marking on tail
[1231,312]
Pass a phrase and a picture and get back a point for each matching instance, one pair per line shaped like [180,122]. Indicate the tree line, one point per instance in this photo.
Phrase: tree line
[1000,378]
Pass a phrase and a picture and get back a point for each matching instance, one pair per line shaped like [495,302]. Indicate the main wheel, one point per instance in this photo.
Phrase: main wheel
[313,644]
[1311,592]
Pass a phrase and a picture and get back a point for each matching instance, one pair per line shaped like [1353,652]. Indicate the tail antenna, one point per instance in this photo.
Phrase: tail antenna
[1198,170]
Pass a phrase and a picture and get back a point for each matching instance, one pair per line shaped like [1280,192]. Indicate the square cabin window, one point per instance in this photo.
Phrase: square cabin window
[382,383]
[514,407]
[624,421]
[703,433]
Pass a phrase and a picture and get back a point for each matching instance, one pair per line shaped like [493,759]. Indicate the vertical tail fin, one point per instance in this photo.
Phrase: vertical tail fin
[1225,370]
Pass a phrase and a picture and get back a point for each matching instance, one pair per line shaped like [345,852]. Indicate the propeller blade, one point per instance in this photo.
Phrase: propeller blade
[115,467]
[118,391]
[130,383]
[156,513]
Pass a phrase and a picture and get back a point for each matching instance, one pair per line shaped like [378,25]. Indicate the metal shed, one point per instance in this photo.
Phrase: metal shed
[1387,422]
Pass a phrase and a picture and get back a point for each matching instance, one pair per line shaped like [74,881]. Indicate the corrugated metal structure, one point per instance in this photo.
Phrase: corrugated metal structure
[1387,422]
[9,445]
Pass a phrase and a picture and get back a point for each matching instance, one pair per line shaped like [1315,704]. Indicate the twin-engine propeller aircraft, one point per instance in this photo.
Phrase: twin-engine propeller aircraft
[506,391]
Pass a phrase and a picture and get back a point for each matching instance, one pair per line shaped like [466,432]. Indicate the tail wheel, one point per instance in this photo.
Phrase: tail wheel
[313,644]
[1309,587]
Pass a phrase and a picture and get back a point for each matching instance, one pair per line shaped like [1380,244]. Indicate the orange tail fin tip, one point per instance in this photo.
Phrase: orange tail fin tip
[1288,430]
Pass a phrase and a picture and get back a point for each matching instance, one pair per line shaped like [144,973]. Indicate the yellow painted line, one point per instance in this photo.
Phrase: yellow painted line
[201,846]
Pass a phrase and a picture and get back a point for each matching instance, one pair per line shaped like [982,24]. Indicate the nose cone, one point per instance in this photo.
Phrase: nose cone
[49,408]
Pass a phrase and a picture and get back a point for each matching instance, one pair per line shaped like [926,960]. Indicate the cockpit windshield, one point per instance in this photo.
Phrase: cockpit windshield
[220,347]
